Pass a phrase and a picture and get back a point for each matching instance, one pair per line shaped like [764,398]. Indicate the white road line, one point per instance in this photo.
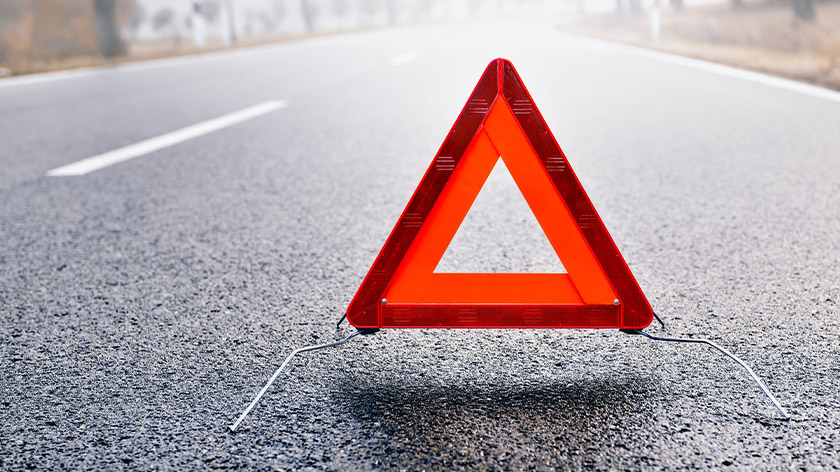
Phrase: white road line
[755,77]
[86,166]
[403,58]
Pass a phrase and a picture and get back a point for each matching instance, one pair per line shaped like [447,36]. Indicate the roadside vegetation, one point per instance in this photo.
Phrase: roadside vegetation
[44,35]
[793,38]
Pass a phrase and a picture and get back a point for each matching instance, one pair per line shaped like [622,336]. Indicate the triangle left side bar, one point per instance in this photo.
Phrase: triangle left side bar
[363,311]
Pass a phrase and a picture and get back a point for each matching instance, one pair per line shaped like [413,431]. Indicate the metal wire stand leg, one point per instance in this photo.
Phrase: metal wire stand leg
[283,366]
[732,356]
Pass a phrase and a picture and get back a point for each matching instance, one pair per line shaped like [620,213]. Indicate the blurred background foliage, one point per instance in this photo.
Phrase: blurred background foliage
[37,35]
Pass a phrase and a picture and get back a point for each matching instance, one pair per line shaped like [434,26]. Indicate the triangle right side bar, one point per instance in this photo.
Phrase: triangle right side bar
[636,312]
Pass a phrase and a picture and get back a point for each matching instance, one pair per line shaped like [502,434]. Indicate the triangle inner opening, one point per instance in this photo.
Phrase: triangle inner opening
[500,234]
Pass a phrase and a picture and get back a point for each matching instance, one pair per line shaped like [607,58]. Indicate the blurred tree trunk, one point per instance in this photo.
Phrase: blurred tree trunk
[307,15]
[392,12]
[737,3]
[107,29]
[228,24]
[619,7]
[804,10]
[677,5]
[635,7]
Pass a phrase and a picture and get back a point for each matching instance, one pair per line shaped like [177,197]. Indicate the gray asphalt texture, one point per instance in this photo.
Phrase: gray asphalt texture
[143,305]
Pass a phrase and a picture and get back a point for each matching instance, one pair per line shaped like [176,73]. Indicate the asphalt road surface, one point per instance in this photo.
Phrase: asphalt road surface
[145,302]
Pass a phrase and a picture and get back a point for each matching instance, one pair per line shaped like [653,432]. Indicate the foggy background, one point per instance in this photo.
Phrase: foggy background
[794,38]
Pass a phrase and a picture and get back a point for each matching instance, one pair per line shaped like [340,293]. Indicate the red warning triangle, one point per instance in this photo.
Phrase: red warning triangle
[500,121]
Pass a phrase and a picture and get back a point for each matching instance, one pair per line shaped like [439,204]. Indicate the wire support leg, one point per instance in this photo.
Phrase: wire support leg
[659,320]
[283,366]
[727,353]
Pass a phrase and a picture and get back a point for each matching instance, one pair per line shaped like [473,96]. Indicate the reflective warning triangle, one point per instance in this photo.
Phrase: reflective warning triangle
[500,121]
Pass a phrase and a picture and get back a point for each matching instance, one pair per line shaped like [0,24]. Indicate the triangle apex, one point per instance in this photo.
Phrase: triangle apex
[499,65]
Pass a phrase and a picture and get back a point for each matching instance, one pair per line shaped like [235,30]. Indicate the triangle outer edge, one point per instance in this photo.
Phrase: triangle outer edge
[499,81]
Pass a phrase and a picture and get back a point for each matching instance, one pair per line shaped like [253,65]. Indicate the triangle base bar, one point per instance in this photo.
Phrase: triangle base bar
[398,315]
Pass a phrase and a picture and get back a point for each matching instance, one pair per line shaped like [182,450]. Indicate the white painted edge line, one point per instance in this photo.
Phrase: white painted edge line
[86,166]
[130,66]
[138,66]
[750,76]
[48,77]
[403,58]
